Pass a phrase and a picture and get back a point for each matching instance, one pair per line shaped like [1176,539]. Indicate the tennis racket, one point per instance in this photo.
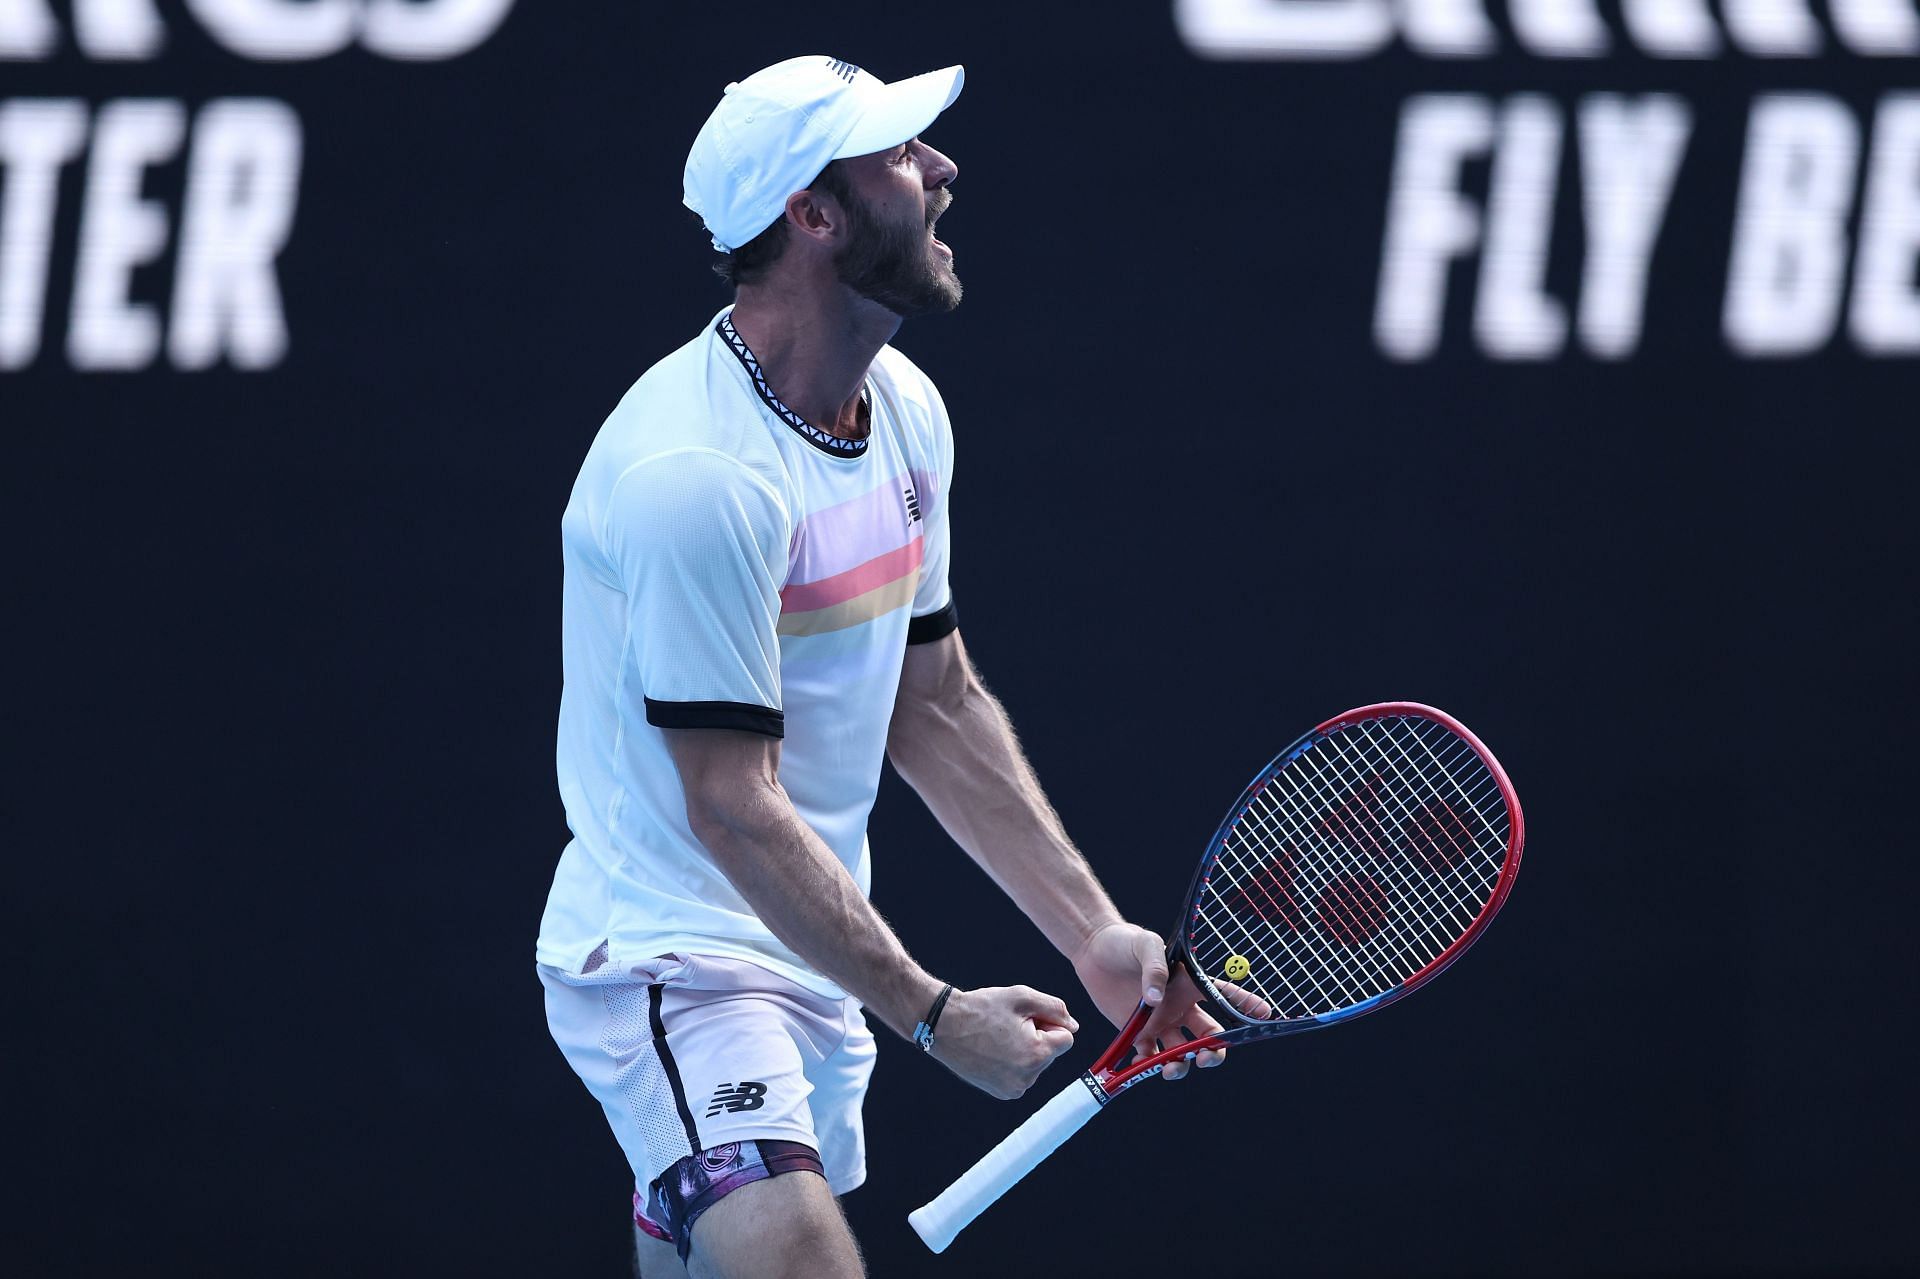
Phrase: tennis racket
[1356,866]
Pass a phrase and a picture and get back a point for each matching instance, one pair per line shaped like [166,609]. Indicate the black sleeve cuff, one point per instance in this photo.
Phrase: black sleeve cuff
[744,716]
[925,630]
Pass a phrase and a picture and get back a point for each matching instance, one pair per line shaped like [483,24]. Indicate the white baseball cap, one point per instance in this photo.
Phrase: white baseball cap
[774,132]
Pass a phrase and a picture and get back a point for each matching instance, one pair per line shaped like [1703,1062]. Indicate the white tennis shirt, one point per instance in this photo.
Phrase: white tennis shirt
[729,565]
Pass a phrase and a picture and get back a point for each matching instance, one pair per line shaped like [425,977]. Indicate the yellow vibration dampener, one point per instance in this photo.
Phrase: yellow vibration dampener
[1238,968]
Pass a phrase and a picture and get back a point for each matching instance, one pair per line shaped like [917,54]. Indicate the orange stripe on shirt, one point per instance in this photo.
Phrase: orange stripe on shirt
[878,602]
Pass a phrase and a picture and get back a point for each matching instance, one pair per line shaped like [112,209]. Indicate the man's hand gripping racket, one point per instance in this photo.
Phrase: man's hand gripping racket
[1356,866]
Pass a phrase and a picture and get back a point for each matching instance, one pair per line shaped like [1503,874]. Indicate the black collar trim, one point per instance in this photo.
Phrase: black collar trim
[828,443]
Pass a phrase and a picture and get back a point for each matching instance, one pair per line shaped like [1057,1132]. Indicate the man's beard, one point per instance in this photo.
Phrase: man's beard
[894,264]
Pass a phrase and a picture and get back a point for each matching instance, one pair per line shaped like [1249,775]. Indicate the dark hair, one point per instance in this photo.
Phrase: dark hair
[750,263]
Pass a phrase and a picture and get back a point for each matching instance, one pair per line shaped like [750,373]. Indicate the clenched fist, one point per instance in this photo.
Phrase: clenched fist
[999,1038]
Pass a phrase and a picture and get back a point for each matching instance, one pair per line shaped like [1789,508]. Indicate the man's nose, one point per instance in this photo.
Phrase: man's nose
[940,168]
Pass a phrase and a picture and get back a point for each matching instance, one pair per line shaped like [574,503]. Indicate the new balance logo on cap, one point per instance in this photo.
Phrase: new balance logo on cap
[845,70]
[734,1098]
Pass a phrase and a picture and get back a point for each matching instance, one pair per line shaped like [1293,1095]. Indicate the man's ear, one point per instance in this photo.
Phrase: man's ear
[813,213]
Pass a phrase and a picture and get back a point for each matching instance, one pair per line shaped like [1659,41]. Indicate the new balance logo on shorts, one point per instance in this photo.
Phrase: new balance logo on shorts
[734,1098]
[845,70]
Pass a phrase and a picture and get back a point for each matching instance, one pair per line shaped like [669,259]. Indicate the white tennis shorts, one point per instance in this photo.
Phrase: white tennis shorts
[689,1052]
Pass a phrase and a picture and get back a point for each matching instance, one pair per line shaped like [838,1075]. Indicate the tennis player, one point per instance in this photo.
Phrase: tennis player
[756,613]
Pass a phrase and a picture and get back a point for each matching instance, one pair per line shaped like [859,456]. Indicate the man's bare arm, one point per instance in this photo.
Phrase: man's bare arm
[954,744]
[996,1038]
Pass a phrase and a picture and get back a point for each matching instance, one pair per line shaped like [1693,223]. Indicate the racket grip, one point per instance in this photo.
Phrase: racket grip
[938,1222]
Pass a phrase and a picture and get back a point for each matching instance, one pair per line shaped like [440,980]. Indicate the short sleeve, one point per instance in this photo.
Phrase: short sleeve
[700,545]
[934,614]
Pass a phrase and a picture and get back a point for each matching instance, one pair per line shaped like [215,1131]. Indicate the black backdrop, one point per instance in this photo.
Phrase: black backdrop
[281,812]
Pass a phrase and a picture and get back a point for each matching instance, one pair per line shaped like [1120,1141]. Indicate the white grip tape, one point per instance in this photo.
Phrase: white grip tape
[938,1222]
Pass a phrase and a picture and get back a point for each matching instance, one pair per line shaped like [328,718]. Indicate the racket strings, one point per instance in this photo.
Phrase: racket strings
[1437,910]
[1350,911]
[1352,975]
[1427,891]
[1355,972]
[1357,864]
[1368,827]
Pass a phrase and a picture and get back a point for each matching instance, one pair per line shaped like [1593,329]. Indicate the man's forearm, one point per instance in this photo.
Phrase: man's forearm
[959,752]
[800,890]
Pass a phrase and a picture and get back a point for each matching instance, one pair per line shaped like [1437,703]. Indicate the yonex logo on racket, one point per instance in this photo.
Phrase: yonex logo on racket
[734,1098]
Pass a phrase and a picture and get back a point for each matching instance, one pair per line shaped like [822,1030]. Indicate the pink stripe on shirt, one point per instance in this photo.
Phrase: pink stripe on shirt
[858,580]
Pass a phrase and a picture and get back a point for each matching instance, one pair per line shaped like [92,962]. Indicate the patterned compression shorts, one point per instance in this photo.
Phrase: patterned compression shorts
[696,1183]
